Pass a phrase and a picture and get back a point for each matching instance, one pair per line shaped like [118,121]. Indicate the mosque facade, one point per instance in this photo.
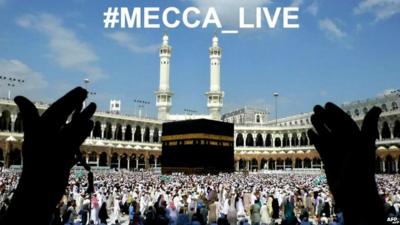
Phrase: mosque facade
[134,142]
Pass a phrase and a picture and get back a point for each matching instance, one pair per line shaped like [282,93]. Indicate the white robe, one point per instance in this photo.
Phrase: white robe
[240,207]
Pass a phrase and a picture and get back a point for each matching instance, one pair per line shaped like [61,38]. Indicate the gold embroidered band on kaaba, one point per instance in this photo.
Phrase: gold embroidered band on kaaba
[179,137]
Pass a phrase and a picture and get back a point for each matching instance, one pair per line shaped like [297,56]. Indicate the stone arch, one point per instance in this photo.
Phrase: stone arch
[132,161]
[138,134]
[108,131]
[118,132]
[114,160]
[303,139]
[142,162]
[263,163]
[103,159]
[390,165]
[156,136]
[152,161]
[285,140]
[18,124]
[253,164]
[259,140]
[295,140]
[298,163]
[146,135]
[307,163]
[123,161]
[92,157]
[242,164]
[97,129]
[385,133]
[249,140]
[128,133]
[271,164]
[277,142]
[279,164]
[5,120]
[288,163]
[159,161]
[268,140]
[239,140]
[316,162]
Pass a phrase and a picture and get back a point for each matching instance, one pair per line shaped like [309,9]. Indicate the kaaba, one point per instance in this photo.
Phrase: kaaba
[197,147]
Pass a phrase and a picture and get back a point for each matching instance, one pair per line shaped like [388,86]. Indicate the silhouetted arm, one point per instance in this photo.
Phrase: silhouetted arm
[49,152]
[348,154]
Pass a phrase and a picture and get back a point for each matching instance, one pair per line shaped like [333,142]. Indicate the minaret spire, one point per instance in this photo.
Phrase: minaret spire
[215,95]
[164,94]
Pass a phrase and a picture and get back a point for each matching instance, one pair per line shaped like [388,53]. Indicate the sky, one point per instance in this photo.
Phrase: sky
[343,51]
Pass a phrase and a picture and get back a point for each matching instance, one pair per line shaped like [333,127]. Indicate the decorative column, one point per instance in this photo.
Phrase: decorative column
[123,128]
[103,127]
[151,140]
[383,165]
[143,133]
[13,118]
[237,166]
[119,162]
[113,128]
[109,160]
[146,162]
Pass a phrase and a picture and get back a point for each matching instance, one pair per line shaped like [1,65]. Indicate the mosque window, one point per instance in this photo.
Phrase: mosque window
[365,110]
[258,119]
[92,157]
[394,106]
[356,112]
[384,108]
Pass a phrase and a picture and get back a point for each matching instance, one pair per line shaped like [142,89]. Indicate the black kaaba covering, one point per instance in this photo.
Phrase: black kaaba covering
[197,146]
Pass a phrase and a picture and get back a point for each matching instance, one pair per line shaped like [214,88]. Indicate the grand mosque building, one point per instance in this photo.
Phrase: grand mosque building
[134,143]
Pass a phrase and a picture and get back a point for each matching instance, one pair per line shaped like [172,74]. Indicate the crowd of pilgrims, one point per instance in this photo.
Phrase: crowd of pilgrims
[226,199]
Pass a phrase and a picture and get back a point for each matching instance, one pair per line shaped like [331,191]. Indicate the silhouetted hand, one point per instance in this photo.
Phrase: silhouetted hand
[348,154]
[50,150]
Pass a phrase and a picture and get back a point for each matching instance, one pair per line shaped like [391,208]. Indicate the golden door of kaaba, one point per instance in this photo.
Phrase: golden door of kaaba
[197,147]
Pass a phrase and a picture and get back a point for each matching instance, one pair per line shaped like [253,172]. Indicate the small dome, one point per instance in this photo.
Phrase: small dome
[215,39]
[165,37]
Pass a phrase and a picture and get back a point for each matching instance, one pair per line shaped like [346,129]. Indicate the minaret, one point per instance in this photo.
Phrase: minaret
[215,95]
[164,95]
